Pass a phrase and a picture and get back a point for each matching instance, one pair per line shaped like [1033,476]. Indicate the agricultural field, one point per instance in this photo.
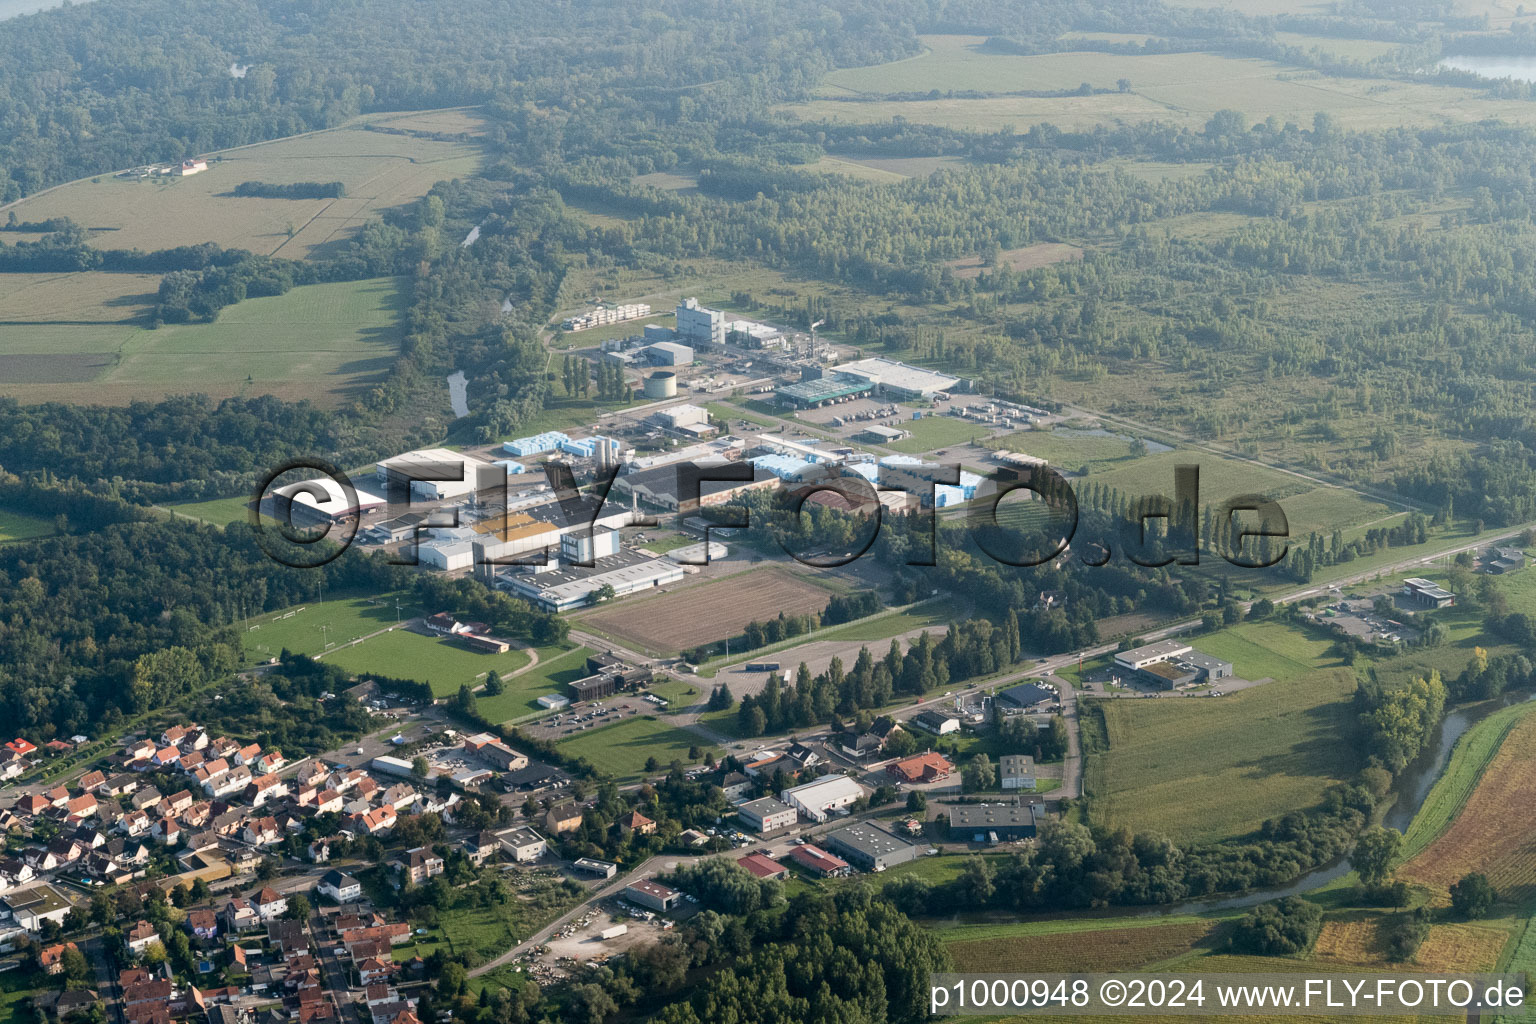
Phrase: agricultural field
[1201,770]
[557,666]
[1270,650]
[1469,762]
[215,511]
[1448,948]
[378,169]
[621,750]
[934,432]
[16,526]
[442,663]
[693,615]
[309,628]
[1184,89]
[1484,836]
[84,299]
[1097,950]
[323,342]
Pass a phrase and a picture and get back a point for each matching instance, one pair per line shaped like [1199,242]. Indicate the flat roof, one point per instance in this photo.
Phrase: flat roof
[822,389]
[570,581]
[869,840]
[904,376]
[891,433]
[334,500]
[984,816]
[1027,694]
[1161,649]
[762,807]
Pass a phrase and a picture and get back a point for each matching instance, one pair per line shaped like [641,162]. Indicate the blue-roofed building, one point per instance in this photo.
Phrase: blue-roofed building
[512,468]
[781,466]
[587,447]
[524,446]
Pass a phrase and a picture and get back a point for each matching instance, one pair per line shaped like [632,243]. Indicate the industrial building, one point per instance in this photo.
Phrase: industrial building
[878,434]
[595,447]
[818,388]
[930,766]
[525,446]
[522,843]
[819,862]
[935,722]
[700,326]
[573,586]
[319,502]
[686,418]
[750,334]
[1422,593]
[1170,665]
[767,814]
[651,894]
[1027,696]
[817,800]
[869,847]
[688,486]
[605,316]
[661,384]
[991,823]
[668,353]
[413,470]
[898,380]
[1016,771]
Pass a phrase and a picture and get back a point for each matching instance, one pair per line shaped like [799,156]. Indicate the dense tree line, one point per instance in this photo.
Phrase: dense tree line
[296,190]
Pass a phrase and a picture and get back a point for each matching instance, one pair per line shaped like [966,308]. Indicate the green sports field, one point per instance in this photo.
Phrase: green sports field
[442,663]
[344,618]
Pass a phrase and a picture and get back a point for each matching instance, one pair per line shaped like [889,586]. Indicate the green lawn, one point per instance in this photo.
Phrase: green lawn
[343,618]
[401,654]
[21,526]
[621,750]
[557,666]
[1269,649]
[1068,451]
[1202,769]
[216,511]
[1474,751]
[933,432]
[934,612]
[677,693]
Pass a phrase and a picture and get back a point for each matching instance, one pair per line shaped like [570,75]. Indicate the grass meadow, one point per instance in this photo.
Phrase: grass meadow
[621,750]
[1202,770]
[323,342]
[16,526]
[443,664]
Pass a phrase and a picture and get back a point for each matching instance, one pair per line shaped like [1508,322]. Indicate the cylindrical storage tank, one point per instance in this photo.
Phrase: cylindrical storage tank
[662,384]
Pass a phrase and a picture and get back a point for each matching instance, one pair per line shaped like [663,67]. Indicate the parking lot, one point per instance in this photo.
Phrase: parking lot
[598,713]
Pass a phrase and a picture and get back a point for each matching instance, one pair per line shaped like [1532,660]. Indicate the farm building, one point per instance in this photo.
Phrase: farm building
[1016,771]
[816,800]
[994,822]
[767,814]
[1422,593]
[898,380]
[870,847]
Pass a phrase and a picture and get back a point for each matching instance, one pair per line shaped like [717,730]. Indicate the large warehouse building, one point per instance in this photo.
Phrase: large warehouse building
[411,467]
[571,586]
[898,380]
[817,800]
[870,847]
[318,502]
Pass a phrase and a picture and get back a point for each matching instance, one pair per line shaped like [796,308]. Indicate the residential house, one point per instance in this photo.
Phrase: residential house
[634,821]
[341,887]
[417,865]
[203,923]
[270,904]
[140,937]
[265,789]
[562,818]
[481,848]
[51,958]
